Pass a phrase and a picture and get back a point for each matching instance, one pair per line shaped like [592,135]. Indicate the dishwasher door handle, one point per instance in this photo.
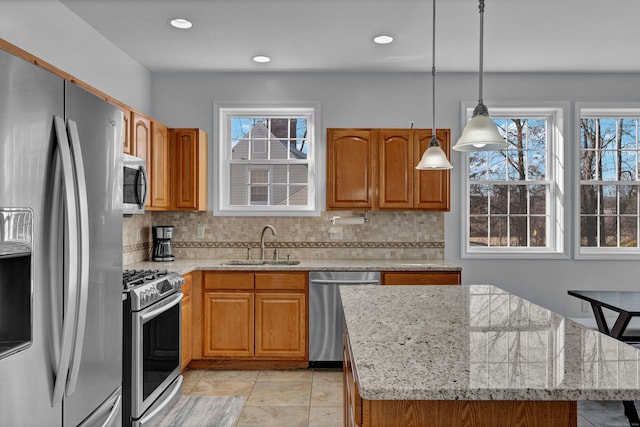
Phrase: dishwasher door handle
[345,282]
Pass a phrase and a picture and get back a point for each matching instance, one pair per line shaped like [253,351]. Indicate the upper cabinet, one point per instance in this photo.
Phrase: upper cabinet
[351,167]
[374,169]
[126,132]
[189,169]
[176,161]
[160,194]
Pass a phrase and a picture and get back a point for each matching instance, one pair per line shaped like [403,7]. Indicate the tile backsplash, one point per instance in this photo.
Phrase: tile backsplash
[200,235]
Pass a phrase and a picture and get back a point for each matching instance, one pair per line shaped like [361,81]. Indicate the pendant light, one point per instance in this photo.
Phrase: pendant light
[434,158]
[480,134]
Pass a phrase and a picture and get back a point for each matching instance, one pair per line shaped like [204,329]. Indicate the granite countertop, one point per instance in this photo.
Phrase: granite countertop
[478,342]
[187,265]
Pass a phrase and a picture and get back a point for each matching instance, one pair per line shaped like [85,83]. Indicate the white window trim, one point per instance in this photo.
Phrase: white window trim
[316,161]
[602,109]
[557,234]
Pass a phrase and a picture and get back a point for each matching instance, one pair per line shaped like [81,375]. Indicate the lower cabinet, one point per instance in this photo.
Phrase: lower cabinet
[435,277]
[187,320]
[255,315]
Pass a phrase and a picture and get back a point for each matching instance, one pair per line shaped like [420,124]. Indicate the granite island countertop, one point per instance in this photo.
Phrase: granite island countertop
[478,342]
[186,265]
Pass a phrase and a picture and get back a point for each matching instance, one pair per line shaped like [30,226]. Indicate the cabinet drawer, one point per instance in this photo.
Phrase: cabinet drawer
[421,278]
[287,281]
[228,280]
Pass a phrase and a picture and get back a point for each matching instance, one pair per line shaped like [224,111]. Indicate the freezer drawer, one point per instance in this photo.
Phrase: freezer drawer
[326,321]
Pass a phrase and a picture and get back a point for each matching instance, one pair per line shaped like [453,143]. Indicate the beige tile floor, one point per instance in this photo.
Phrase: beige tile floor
[310,398]
[313,398]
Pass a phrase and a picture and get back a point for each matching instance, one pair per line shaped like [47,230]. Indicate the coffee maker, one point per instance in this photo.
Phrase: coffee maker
[162,245]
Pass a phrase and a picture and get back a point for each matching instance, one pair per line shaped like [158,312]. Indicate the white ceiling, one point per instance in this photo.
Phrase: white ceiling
[335,35]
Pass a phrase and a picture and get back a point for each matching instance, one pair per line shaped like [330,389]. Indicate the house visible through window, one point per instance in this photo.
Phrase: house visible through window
[511,195]
[609,180]
[267,161]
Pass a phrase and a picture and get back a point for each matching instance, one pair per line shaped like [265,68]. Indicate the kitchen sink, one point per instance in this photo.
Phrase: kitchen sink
[259,262]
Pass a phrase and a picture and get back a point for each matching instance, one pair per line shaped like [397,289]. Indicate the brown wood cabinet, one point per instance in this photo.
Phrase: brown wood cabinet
[421,277]
[351,168]
[255,315]
[189,169]
[160,191]
[126,132]
[375,169]
[187,320]
[444,413]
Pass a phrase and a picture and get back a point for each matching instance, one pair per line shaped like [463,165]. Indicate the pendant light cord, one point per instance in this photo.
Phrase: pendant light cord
[433,71]
[480,67]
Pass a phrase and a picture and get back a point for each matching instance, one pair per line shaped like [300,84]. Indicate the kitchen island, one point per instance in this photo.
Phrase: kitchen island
[473,355]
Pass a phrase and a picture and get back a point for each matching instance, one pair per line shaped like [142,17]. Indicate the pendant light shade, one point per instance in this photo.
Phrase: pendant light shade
[434,158]
[480,133]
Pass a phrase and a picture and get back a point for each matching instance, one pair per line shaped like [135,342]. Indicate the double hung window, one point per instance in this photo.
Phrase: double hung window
[609,179]
[266,161]
[513,196]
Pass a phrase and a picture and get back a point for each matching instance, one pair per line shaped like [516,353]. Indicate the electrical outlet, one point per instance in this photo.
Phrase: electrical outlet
[585,306]
[200,232]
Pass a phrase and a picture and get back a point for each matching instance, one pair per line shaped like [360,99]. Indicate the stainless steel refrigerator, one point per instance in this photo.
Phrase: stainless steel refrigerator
[60,251]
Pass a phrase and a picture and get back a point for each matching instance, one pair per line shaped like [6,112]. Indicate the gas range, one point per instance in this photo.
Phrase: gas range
[146,287]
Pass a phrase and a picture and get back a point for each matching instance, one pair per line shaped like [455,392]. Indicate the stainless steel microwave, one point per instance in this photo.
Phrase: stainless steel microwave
[135,185]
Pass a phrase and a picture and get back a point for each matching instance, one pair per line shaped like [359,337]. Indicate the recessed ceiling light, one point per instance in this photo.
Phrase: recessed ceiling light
[181,23]
[262,59]
[382,39]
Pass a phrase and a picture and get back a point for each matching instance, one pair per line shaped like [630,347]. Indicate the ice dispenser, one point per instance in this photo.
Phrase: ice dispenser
[16,301]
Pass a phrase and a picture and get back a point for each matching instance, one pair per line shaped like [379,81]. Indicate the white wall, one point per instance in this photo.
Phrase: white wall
[50,31]
[392,100]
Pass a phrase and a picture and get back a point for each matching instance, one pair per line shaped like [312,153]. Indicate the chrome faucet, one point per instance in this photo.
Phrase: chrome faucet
[273,232]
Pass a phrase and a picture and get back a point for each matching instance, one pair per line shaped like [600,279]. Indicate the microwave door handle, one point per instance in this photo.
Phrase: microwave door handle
[83,245]
[142,188]
[71,276]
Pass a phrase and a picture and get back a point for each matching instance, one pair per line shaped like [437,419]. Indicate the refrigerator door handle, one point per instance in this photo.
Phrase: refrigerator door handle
[83,245]
[71,276]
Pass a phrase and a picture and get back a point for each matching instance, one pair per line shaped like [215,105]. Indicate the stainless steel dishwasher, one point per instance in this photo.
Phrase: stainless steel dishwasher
[326,320]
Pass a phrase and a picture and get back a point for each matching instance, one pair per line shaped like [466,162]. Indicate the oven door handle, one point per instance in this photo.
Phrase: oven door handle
[160,307]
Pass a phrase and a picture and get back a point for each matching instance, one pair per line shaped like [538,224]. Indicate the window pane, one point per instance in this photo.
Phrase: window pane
[609,233]
[608,165]
[497,166]
[299,148]
[587,165]
[280,174]
[478,162]
[628,232]
[478,199]
[537,134]
[238,185]
[517,165]
[259,176]
[259,195]
[588,199]
[518,199]
[536,166]
[538,199]
[299,174]
[589,231]
[609,202]
[628,165]
[518,231]
[628,199]
[499,199]
[478,231]
[498,231]
[538,231]
[298,195]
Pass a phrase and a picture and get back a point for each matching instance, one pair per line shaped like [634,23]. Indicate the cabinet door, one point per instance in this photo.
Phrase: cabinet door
[187,329]
[421,278]
[281,325]
[228,324]
[189,163]
[431,188]
[187,321]
[126,132]
[350,168]
[141,142]
[159,176]
[395,168]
